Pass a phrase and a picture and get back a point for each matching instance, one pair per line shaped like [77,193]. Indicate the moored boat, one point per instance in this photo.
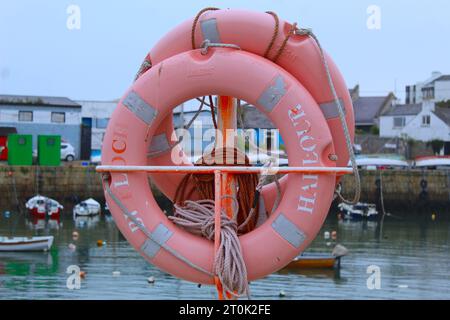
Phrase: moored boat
[25,243]
[358,211]
[313,260]
[40,206]
[378,161]
[318,260]
[88,207]
[433,162]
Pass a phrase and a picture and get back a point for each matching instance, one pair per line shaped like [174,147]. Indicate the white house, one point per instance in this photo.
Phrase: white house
[423,122]
[436,88]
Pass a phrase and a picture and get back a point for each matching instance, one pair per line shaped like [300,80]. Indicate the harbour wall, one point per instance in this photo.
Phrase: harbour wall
[414,190]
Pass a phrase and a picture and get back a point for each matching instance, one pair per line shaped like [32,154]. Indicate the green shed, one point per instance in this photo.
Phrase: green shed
[49,150]
[20,149]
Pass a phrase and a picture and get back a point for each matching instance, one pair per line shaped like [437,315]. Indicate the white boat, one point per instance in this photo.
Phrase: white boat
[432,162]
[26,244]
[88,207]
[358,211]
[374,163]
[86,221]
[41,206]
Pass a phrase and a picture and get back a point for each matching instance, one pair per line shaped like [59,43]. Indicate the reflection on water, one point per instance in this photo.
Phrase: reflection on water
[413,255]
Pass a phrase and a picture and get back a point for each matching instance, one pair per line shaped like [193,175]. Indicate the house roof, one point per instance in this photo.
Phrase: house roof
[368,108]
[443,114]
[4,131]
[404,110]
[38,101]
[445,77]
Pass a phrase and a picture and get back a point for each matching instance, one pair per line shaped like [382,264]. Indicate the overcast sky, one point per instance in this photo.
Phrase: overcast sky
[39,55]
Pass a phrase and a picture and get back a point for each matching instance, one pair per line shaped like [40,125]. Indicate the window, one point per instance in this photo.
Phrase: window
[59,117]
[399,122]
[101,123]
[26,116]
[426,120]
[428,93]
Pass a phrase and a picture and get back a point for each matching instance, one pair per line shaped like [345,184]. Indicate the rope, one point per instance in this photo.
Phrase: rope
[203,184]
[197,217]
[286,39]
[194,24]
[348,140]
[275,33]
[146,65]
[208,44]
[105,178]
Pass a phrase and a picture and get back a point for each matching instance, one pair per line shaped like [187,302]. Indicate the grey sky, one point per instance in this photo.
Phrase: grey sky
[40,56]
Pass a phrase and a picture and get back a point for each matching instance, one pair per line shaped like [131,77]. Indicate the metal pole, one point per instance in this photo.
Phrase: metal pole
[226,126]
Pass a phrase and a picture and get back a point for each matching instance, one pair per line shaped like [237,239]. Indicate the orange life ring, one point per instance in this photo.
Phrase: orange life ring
[276,93]
[252,32]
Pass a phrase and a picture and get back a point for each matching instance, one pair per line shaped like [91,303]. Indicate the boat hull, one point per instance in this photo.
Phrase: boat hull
[314,261]
[23,244]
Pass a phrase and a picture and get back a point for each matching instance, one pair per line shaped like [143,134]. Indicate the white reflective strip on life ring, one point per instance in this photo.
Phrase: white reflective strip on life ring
[273,94]
[139,107]
[288,231]
[210,31]
[161,234]
[330,110]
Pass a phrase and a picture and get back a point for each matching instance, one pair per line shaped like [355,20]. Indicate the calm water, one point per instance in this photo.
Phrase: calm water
[413,254]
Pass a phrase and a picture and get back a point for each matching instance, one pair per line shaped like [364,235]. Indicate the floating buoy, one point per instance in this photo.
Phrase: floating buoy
[151,280]
[82,274]
[100,243]
[333,235]
[282,294]
[326,235]
[116,273]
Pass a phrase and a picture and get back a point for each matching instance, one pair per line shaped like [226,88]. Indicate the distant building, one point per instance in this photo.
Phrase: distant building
[423,122]
[436,89]
[368,109]
[42,115]
[95,116]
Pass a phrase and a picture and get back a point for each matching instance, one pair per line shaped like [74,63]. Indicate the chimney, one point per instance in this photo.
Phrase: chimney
[435,74]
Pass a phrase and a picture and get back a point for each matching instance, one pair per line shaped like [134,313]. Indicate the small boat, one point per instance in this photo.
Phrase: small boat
[358,211]
[434,162]
[26,244]
[317,260]
[40,206]
[88,207]
[375,162]
[313,260]
[86,221]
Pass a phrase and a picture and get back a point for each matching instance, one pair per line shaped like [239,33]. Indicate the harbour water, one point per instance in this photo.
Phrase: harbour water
[413,256]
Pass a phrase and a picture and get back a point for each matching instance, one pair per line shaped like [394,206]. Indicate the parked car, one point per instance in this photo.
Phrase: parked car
[67,152]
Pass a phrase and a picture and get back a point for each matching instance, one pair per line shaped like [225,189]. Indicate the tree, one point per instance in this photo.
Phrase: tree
[443,104]
[436,145]
[375,130]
